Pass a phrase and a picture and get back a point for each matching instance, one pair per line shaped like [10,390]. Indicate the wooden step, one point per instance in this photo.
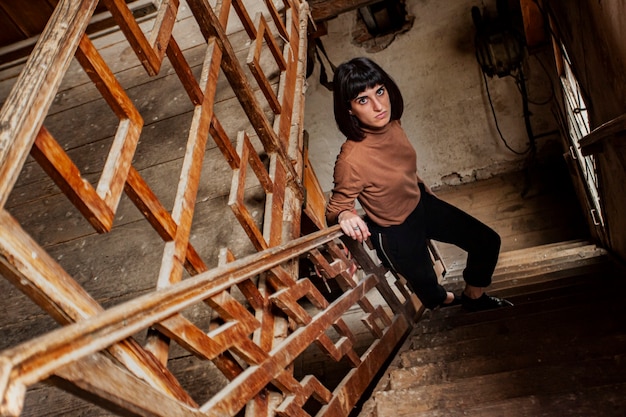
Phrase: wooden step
[559,351]
[521,321]
[539,255]
[595,401]
[540,264]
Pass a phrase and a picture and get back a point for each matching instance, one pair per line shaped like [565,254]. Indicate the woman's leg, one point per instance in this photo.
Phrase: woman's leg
[403,248]
[449,224]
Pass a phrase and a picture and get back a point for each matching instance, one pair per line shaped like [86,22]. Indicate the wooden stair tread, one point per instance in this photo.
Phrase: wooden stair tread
[543,254]
[596,401]
[519,320]
[550,261]
[561,376]
[599,401]
[560,350]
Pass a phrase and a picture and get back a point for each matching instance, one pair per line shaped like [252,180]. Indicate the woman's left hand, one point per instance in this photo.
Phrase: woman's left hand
[353,226]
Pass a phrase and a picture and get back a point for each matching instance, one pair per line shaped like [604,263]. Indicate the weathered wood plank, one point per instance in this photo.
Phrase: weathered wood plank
[254,56]
[159,218]
[446,335]
[275,205]
[210,26]
[497,387]
[184,72]
[236,198]
[122,321]
[233,398]
[35,273]
[315,201]
[23,112]
[56,163]
[150,52]
[350,389]
[194,340]
[289,92]
[542,255]
[617,126]
[65,404]
[276,18]
[101,381]
[327,9]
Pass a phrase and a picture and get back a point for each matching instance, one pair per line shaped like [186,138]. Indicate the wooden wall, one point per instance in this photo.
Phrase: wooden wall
[593,33]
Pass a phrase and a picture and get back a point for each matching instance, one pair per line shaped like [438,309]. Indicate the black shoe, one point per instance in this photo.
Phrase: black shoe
[485,302]
[455,302]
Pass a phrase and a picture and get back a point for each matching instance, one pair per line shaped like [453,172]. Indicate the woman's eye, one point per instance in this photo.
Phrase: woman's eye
[361,100]
[380,91]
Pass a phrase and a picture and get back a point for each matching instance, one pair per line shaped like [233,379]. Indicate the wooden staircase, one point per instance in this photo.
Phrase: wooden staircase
[558,352]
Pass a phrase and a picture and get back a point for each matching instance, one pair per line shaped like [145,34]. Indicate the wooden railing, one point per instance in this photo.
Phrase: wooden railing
[264,312]
[75,354]
[592,143]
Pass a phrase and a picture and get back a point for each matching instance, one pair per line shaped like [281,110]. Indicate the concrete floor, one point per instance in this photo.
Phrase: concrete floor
[447,112]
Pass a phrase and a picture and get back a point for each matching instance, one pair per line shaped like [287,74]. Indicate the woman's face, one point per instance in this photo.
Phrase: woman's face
[372,107]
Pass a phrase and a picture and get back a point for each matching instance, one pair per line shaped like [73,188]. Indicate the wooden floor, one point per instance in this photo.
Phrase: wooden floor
[560,351]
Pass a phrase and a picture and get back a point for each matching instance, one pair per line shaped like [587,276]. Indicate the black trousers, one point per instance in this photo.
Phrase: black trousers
[404,247]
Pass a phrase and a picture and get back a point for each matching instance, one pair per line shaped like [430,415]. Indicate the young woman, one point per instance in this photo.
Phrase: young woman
[378,167]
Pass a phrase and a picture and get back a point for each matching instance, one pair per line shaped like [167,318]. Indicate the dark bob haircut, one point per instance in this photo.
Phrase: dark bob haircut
[351,79]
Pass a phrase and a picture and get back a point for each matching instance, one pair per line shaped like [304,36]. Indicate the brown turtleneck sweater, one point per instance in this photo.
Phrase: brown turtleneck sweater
[381,172]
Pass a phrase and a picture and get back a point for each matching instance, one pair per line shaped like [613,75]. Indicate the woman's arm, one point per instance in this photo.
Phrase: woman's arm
[340,208]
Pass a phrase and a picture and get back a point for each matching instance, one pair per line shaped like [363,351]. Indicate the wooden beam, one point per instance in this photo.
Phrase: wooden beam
[233,398]
[98,379]
[25,108]
[36,274]
[211,28]
[75,341]
[159,218]
[183,70]
[352,387]
[66,175]
[327,9]
[149,51]
[592,143]
[253,61]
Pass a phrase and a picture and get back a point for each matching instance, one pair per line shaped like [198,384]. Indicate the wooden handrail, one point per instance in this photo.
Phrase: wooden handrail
[592,143]
[23,112]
